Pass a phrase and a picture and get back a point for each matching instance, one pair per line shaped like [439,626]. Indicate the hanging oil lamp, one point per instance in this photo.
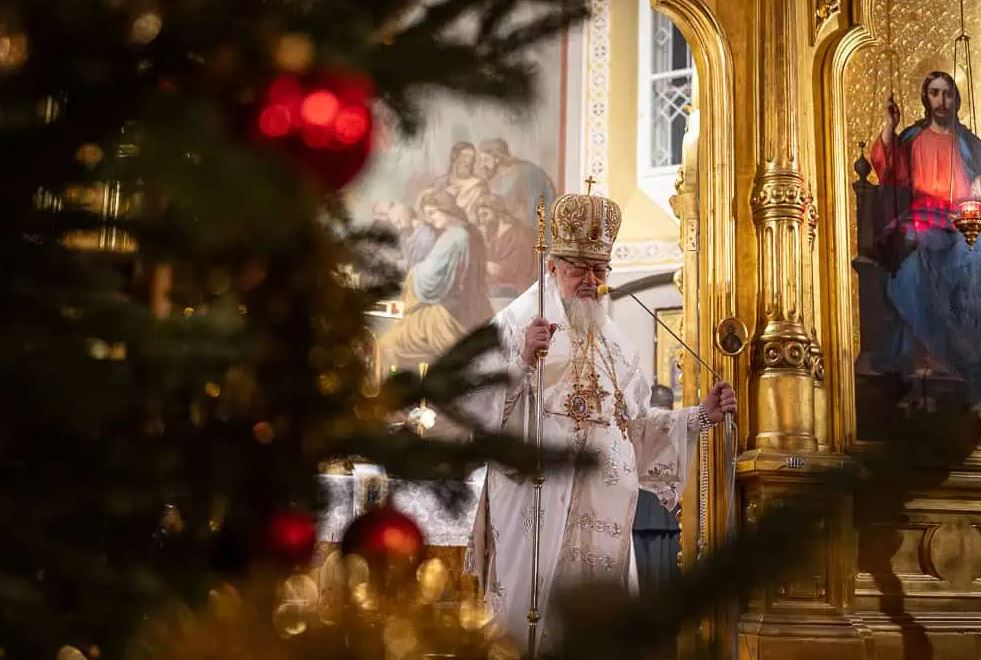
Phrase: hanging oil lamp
[967,217]
[967,220]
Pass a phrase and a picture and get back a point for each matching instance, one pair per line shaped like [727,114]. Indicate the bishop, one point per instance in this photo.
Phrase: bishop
[596,399]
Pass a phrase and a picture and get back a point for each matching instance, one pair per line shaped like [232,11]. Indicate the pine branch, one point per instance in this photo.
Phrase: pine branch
[223,409]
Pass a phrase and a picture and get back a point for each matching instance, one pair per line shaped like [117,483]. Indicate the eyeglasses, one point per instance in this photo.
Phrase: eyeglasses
[579,269]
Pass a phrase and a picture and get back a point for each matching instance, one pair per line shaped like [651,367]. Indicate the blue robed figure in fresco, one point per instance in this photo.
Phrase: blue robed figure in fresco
[445,294]
[935,283]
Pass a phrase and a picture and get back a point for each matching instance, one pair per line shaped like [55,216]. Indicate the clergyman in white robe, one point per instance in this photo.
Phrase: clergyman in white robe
[587,514]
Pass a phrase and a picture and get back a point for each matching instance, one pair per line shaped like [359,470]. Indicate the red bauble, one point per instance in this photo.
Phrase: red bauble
[292,537]
[387,539]
[323,123]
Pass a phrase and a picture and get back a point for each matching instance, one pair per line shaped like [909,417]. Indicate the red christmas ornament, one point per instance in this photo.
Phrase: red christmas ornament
[292,537]
[323,123]
[388,540]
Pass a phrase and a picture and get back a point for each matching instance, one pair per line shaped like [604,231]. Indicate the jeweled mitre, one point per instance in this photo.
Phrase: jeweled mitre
[584,226]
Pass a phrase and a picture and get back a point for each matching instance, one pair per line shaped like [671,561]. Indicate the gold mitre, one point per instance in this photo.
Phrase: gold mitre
[584,226]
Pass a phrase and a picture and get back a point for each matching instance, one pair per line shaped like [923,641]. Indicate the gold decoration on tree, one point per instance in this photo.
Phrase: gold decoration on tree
[339,611]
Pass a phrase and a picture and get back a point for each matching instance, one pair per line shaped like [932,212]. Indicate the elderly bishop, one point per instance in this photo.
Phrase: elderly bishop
[596,399]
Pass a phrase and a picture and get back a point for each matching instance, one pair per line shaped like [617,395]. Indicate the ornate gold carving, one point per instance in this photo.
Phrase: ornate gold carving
[710,273]
[684,202]
[679,186]
[823,11]
[780,191]
[816,360]
[780,199]
[540,244]
[781,354]
[812,223]
[952,551]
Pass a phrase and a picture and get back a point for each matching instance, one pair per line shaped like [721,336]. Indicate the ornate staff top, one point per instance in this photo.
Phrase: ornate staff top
[540,245]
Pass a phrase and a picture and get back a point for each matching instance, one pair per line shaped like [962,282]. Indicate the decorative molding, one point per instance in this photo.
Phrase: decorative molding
[790,353]
[781,189]
[811,215]
[782,354]
[647,253]
[598,95]
[823,11]
[711,275]
[951,551]
[816,360]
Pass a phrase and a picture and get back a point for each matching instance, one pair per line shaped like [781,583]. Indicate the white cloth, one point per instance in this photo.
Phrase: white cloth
[349,495]
[586,515]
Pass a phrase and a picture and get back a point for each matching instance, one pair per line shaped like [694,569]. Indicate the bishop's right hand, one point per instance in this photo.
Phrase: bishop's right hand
[538,336]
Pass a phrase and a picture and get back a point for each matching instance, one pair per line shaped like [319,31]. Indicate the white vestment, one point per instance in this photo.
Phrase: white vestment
[587,515]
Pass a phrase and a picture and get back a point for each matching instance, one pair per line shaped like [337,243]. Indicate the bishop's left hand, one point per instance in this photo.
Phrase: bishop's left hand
[720,400]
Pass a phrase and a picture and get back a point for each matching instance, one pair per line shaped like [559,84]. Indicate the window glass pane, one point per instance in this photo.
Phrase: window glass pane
[669,93]
[668,99]
[662,38]
[680,55]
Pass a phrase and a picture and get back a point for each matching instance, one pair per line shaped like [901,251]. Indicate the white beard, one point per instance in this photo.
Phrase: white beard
[585,315]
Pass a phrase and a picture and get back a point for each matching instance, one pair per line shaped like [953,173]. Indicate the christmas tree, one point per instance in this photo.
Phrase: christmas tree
[183,343]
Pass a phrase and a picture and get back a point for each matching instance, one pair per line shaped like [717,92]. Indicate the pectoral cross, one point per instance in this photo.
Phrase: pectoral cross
[589,184]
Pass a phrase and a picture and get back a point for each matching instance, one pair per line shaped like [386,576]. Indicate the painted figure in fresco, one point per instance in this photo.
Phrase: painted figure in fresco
[518,182]
[379,213]
[924,172]
[460,181]
[445,294]
[401,217]
[420,240]
[510,248]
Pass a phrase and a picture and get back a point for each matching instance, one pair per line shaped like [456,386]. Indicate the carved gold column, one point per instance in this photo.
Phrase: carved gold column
[815,356]
[782,385]
[685,206]
[802,614]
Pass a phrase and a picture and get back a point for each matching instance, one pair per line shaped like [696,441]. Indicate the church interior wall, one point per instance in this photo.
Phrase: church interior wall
[648,240]
[643,220]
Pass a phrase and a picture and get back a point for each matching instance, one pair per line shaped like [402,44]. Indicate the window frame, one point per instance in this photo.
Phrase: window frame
[653,181]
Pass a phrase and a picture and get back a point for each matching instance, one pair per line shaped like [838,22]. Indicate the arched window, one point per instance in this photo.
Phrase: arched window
[666,86]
